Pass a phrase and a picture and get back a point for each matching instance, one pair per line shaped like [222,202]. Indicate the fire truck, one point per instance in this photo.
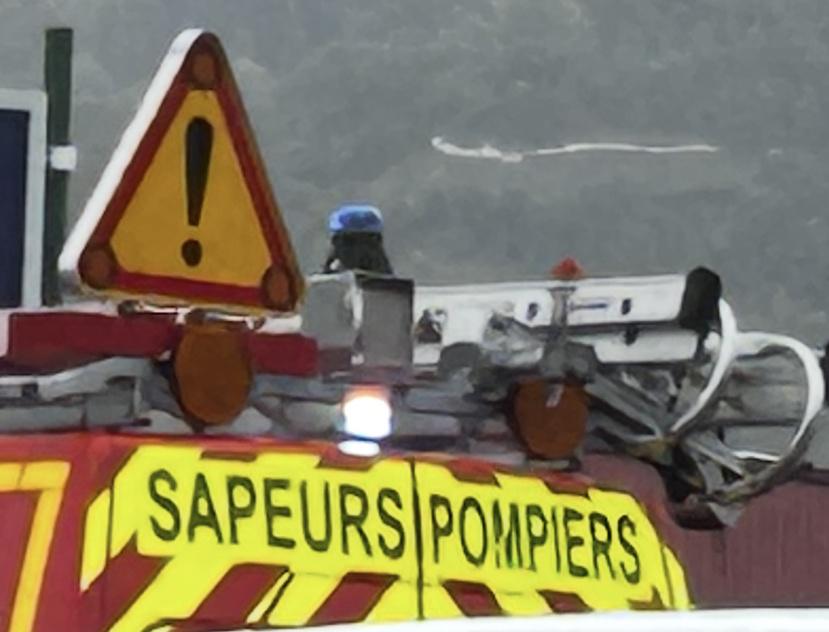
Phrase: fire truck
[196,435]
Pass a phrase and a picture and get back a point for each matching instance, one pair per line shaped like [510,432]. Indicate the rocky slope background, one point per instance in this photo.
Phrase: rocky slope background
[436,110]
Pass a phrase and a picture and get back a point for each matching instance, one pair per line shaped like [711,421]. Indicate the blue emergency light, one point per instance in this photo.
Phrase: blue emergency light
[356,218]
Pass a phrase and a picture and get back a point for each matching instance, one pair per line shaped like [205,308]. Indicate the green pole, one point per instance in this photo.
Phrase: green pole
[58,80]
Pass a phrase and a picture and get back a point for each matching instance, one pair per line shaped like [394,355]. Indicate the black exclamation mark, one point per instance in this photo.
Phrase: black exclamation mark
[198,145]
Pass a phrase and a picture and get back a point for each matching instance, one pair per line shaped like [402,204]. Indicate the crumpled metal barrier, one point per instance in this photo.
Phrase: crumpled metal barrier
[583,328]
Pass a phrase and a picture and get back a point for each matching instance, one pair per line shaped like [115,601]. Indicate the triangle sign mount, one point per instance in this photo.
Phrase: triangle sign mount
[184,212]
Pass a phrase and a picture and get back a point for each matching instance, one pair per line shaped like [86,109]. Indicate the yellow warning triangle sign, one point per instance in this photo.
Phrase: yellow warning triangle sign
[184,212]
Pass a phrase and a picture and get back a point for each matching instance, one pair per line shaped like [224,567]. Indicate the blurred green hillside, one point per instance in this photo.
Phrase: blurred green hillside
[346,96]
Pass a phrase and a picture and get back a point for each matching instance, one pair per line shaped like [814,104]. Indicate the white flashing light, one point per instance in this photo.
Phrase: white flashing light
[358,447]
[367,413]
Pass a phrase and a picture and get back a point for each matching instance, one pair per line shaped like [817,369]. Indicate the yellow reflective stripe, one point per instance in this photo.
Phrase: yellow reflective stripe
[49,477]
[398,603]
[95,539]
[520,604]
[177,591]
[44,475]
[438,604]
[261,609]
[9,476]
[303,595]
[676,576]
[620,557]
